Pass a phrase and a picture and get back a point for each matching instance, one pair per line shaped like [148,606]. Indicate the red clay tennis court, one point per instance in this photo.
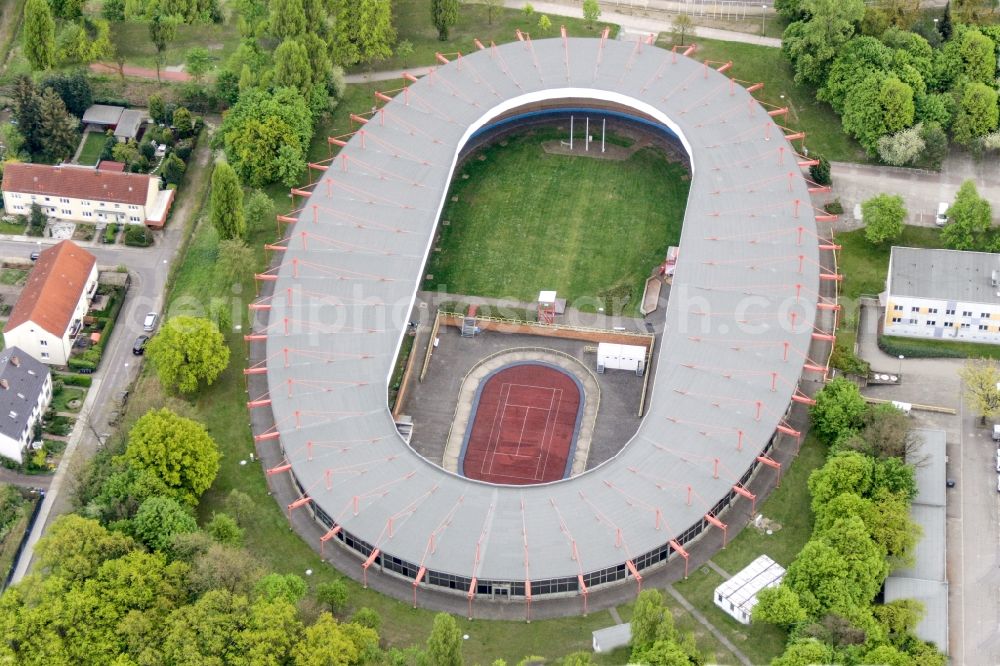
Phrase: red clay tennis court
[523,427]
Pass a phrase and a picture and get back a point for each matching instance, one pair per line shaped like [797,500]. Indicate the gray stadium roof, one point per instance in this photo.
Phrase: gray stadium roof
[947,275]
[347,282]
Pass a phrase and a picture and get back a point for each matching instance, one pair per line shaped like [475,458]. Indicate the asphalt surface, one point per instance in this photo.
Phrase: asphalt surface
[973,531]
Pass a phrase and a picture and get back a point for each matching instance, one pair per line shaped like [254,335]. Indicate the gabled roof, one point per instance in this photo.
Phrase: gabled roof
[76,183]
[129,124]
[54,288]
[102,114]
[21,379]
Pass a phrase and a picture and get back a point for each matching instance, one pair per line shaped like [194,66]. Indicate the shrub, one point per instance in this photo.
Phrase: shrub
[137,235]
[110,232]
[834,207]
[820,173]
[76,380]
[894,346]
[183,148]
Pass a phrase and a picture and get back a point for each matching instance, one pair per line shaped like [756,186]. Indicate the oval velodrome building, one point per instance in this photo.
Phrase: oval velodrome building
[737,334]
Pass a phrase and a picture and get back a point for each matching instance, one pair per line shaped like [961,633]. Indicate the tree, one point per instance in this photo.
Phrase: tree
[183,122]
[681,25]
[376,35]
[226,204]
[367,617]
[36,219]
[273,586]
[333,594]
[288,18]
[528,10]
[899,617]
[198,62]
[978,56]
[173,169]
[444,645]
[591,12]
[223,529]
[813,44]
[289,166]
[883,216]
[903,147]
[491,8]
[977,113]
[820,173]
[881,104]
[157,109]
[57,130]
[805,652]
[839,408]
[444,15]
[162,31]
[186,352]
[329,643]
[259,126]
[70,10]
[944,26]
[159,519]
[223,567]
[818,576]
[235,259]
[259,210]
[291,66]
[27,112]
[648,618]
[544,24]
[74,90]
[778,605]
[177,450]
[74,548]
[39,34]
[404,49]
[887,432]
[843,472]
[970,220]
[980,378]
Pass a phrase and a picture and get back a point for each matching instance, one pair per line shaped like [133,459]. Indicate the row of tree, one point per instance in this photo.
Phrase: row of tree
[860,501]
[899,82]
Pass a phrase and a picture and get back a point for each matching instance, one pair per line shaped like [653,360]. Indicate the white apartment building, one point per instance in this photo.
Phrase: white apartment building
[25,393]
[49,314]
[86,194]
[943,294]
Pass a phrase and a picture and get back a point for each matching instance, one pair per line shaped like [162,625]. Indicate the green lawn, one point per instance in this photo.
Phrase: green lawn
[925,348]
[93,146]
[221,40]
[10,542]
[13,276]
[752,64]
[68,393]
[522,220]
[412,19]
[12,228]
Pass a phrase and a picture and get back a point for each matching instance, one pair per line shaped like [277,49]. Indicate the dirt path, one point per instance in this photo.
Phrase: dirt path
[140,72]
[11,12]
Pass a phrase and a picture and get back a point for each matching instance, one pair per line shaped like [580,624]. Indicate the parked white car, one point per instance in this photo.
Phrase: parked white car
[149,323]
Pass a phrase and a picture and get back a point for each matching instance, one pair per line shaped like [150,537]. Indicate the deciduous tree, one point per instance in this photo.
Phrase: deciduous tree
[778,605]
[884,215]
[681,26]
[197,61]
[291,66]
[544,24]
[177,450]
[491,8]
[162,30]
[288,18]
[591,12]
[839,408]
[188,351]
[970,220]
[444,645]
[812,44]
[159,519]
[977,113]
[444,16]
[980,378]
[902,148]
[376,34]
[74,547]
[223,529]
[226,204]
[236,259]
[39,34]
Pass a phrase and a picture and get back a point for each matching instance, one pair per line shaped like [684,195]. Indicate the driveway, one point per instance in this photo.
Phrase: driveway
[973,532]
[149,268]
[921,190]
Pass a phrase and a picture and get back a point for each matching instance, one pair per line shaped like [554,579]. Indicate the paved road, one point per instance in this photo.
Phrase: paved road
[648,22]
[149,268]
[973,531]
[922,190]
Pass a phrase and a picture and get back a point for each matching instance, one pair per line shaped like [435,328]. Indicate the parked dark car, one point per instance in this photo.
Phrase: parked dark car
[139,348]
[35,255]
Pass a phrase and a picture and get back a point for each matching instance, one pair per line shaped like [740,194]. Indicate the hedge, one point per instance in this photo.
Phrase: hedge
[895,346]
[75,380]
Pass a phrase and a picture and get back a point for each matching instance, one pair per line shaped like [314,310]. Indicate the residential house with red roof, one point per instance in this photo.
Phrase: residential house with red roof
[86,194]
[49,314]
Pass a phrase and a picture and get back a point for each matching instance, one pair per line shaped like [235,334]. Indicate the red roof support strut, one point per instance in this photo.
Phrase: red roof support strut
[683,553]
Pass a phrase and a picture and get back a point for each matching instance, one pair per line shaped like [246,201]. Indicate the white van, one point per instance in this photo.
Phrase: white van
[942,214]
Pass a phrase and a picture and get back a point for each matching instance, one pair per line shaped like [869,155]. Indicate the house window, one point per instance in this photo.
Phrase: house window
[897,308]
[134,218]
[983,327]
[913,321]
[896,320]
[984,315]
[67,211]
[966,313]
[951,312]
[133,207]
[44,343]
[45,354]
[63,200]
[949,324]
[932,310]
[87,213]
[932,323]
[965,326]
[914,309]
[48,198]
[118,205]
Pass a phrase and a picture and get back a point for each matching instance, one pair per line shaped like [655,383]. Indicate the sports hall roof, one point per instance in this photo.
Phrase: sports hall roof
[729,361]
